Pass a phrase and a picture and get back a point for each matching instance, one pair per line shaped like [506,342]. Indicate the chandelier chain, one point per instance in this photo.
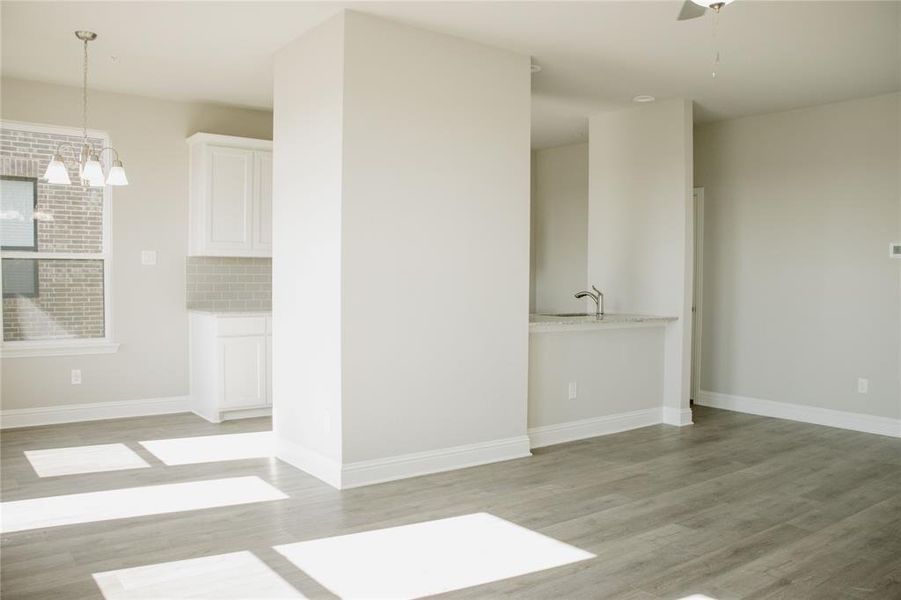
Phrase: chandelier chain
[716,42]
[84,95]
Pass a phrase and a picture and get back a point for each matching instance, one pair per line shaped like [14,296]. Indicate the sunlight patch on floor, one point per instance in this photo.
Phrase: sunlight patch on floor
[84,459]
[212,448]
[52,511]
[428,558]
[234,575]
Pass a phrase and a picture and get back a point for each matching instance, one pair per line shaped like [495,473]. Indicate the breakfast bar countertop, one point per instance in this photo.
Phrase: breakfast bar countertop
[544,323]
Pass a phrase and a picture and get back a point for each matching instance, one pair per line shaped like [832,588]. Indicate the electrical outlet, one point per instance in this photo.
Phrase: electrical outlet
[76,376]
[148,257]
[863,385]
[572,390]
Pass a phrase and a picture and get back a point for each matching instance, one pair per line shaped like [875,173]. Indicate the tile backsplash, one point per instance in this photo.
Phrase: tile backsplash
[225,283]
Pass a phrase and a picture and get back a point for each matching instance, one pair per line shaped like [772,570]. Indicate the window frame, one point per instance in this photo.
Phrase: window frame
[69,346]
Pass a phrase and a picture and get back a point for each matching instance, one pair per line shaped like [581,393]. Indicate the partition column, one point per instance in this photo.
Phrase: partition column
[401,251]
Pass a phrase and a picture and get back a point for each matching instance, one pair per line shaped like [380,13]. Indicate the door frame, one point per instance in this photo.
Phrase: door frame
[697,295]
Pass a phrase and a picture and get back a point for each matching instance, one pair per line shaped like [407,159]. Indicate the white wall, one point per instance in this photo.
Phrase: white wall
[306,266]
[640,226]
[616,371]
[800,296]
[151,213]
[434,238]
[559,228]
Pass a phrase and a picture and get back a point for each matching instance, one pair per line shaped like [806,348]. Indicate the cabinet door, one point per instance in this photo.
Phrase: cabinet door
[229,199]
[242,368]
[262,221]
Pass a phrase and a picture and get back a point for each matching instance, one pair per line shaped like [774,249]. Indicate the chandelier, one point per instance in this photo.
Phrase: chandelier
[86,158]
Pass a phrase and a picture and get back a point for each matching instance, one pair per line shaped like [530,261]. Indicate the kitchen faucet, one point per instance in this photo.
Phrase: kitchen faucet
[598,298]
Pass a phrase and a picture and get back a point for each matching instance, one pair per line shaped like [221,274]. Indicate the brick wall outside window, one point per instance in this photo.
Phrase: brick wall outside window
[70,300]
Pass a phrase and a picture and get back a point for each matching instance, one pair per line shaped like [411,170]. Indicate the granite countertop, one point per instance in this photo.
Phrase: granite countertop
[241,312]
[539,323]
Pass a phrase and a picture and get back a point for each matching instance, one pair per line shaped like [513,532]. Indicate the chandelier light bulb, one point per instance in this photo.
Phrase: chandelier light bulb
[56,172]
[117,174]
[92,171]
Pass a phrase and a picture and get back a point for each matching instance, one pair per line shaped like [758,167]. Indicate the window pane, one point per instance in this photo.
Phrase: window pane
[67,303]
[69,217]
[17,224]
[20,278]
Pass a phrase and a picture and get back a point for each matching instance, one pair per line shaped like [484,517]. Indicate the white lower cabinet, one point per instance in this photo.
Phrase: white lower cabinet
[242,363]
[231,370]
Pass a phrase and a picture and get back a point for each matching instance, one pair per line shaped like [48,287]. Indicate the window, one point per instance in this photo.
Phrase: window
[54,249]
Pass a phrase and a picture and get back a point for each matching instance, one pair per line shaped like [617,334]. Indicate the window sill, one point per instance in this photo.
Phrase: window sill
[57,348]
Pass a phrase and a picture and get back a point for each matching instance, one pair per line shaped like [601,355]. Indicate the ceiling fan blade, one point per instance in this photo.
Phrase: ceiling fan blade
[690,10]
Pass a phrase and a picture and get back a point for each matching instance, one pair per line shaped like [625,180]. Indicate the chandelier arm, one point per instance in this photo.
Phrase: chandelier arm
[75,152]
[111,149]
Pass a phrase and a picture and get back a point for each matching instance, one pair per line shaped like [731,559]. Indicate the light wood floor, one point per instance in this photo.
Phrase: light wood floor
[735,506]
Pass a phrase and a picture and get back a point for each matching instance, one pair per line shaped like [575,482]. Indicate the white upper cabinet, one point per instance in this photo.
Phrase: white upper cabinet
[230,196]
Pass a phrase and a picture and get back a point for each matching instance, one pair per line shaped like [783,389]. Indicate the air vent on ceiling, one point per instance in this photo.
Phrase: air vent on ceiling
[895,250]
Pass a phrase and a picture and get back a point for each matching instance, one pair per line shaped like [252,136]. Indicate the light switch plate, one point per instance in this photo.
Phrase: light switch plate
[148,257]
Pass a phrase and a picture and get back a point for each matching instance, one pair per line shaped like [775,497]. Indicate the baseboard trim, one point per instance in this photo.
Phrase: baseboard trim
[245,413]
[52,415]
[548,435]
[309,461]
[676,416]
[369,472]
[805,414]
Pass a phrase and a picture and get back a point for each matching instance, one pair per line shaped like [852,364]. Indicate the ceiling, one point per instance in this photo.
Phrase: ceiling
[595,56]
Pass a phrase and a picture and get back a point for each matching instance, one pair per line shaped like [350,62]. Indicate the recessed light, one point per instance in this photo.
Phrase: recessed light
[535,68]
[643,98]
